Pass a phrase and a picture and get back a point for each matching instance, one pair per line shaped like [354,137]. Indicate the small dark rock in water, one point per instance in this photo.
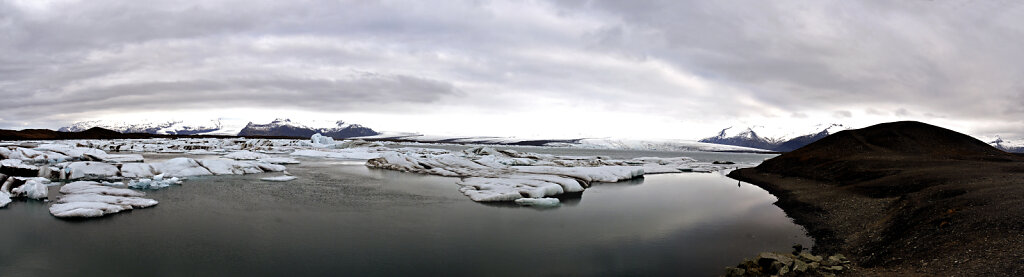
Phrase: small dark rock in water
[722,162]
[797,248]
[780,264]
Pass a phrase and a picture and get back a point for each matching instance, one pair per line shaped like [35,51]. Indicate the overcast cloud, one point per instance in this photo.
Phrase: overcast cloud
[653,69]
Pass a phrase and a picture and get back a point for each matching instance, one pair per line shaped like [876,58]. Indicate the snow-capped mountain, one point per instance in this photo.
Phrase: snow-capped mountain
[286,127]
[1008,146]
[775,139]
[278,127]
[167,128]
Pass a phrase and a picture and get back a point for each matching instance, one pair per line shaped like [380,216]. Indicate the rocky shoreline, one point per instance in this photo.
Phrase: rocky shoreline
[798,263]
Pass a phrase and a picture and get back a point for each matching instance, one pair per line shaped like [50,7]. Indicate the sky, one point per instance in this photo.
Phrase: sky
[553,69]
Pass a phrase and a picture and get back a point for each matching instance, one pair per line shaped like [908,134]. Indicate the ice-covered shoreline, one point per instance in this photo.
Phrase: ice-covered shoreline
[486,174]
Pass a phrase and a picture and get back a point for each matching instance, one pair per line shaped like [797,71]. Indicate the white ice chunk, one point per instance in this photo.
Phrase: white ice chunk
[5,198]
[78,170]
[137,170]
[246,155]
[507,189]
[321,139]
[136,202]
[90,199]
[158,182]
[348,153]
[588,174]
[283,178]
[84,187]
[221,166]
[181,167]
[539,202]
[34,188]
[119,158]
[85,209]
[31,155]
[229,167]
[269,167]
[279,160]
[203,152]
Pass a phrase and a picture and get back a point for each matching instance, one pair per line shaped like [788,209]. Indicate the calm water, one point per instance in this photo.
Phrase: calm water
[341,218]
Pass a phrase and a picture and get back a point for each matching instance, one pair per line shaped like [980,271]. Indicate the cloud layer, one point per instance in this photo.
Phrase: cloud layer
[565,68]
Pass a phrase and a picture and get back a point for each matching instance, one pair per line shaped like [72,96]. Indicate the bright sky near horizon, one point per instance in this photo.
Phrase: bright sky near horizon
[631,69]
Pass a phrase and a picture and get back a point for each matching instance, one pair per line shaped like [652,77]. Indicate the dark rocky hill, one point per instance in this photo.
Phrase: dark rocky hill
[905,198]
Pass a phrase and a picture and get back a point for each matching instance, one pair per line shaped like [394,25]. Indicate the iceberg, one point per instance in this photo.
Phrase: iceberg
[181,167]
[90,199]
[348,154]
[538,202]
[228,167]
[503,175]
[246,155]
[483,189]
[14,167]
[279,160]
[283,178]
[30,155]
[5,198]
[138,170]
[158,182]
[318,139]
[79,170]
[33,188]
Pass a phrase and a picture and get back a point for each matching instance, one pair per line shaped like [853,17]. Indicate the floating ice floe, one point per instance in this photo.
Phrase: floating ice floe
[283,178]
[539,202]
[246,155]
[348,153]
[279,160]
[181,167]
[33,188]
[158,182]
[30,155]
[506,175]
[28,187]
[79,170]
[321,140]
[15,167]
[90,199]
[91,154]
[230,167]
[5,198]
[486,174]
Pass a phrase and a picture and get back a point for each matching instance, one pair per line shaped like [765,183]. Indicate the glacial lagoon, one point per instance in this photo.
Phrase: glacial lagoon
[342,218]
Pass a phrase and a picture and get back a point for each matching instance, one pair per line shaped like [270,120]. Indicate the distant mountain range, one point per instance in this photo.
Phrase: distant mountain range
[286,127]
[162,128]
[280,127]
[782,140]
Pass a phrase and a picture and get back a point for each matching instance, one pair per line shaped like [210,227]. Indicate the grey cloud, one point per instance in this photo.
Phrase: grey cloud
[310,94]
[703,61]
[842,114]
